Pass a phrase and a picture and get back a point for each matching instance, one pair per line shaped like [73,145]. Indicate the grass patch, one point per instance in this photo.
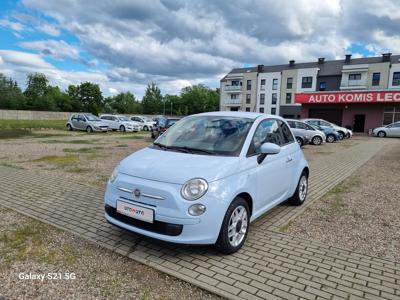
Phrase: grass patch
[61,161]
[14,133]
[11,166]
[75,142]
[32,124]
[325,152]
[79,170]
[335,195]
[285,228]
[82,150]
[30,242]
[122,146]
[43,135]
[133,137]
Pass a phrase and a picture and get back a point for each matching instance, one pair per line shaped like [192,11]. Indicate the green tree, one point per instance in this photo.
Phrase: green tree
[60,99]
[123,103]
[11,96]
[86,97]
[152,102]
[199,98]
[36,88]
[73,94]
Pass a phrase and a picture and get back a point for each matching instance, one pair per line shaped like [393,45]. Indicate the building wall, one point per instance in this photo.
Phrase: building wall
[268,91]
[382,68]
[253,92]
[33,115]
[292,73]
[332,82]
[394,68]
[305,73]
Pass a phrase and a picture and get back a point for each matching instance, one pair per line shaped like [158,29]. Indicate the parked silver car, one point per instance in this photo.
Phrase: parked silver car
[87,122]
[391,130]
[342,131]
[300,128]
[120,123]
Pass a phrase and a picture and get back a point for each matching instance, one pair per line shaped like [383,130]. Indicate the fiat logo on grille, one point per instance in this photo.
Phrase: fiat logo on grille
[137,192]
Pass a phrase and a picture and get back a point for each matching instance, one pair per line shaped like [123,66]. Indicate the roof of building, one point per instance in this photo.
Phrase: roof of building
[326,68]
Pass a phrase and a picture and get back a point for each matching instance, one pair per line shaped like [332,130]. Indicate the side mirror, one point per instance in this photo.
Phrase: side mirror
[266,149]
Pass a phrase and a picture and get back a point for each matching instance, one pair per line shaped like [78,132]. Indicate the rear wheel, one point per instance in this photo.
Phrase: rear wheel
[330,138]
[69,127]
[347,135]
[381,134]
[122,128]
[235,227]
[300,194]
[145,128]
[89,129]
[317,140]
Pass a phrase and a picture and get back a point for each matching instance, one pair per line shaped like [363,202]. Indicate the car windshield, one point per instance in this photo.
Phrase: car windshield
[147,120]
[207,135]
[92,118]
[123,118]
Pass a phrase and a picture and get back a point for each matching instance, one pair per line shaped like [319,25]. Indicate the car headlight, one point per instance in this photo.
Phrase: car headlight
[114,174]
[194,189]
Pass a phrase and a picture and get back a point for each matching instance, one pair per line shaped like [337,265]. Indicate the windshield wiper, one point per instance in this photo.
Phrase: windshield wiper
[184,149]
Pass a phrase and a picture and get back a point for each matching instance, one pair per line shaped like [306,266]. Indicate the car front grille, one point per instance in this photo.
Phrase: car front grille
[156,226]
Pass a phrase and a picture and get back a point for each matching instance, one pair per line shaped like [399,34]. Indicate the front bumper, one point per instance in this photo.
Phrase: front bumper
[100,129]
[170,213]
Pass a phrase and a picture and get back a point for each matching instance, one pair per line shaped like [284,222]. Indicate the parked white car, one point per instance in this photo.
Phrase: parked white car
[391,130]
[120,123]
[206,178]
[299,128]
[145,122]
[342,131]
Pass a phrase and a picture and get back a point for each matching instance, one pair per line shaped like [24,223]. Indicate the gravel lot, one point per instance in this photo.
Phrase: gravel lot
[29,246]
[362,213]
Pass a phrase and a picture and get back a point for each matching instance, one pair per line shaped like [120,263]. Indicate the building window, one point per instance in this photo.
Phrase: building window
[376,77]
[248,85]
[247,108]
[289,83]
[274,98]
[274,84]
[396,78]
[262,99]
[322,86]
[234,96]
[288,98]
[248,98]
[391,115]
[262,81]
[273,111]
[236,83]
[262,110]
[306,82]
[356,76]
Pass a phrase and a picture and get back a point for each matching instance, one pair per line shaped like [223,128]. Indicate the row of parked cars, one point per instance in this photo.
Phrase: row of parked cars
[107,122]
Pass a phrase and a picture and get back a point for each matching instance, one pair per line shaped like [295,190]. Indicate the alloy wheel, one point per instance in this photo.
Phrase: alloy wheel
[237,227]
[303,187]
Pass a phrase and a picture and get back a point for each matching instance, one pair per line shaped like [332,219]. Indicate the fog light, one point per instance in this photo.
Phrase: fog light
[197,209]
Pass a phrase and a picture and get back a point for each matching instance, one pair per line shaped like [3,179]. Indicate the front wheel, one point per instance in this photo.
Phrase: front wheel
[122,128]
[145,128]
[300,141]
[341,135]
[330,138]
[317,140]
[381,134]
[301,191]
[89,129]
[235,227]
[69,127]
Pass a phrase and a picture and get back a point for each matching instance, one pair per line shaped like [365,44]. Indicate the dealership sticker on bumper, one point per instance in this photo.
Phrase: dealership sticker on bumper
[135,211]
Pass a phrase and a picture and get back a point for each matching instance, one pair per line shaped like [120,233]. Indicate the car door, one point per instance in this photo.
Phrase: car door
[81,122]
[304,130]
[394,130]
[270,175]
[75,121]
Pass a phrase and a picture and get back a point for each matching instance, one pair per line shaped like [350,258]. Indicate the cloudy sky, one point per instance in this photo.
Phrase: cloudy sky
[124,44]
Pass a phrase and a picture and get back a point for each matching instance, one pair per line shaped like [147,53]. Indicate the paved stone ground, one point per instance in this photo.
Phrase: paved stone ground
[271,265]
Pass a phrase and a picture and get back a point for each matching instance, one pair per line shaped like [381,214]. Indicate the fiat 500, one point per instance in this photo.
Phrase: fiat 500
[206,178]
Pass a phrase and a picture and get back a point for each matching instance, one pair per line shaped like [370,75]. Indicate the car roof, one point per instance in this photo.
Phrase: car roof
[239,114]
[295,120]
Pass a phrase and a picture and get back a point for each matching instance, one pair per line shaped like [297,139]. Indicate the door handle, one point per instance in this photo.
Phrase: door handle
[289,159]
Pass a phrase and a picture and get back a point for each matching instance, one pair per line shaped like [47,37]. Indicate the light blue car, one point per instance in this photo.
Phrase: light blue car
[206,178]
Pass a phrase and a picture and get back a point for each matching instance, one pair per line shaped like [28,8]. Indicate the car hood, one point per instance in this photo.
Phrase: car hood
[177,167]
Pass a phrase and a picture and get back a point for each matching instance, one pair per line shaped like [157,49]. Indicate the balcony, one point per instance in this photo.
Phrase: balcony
[232,88]
[353,84]
[232,102]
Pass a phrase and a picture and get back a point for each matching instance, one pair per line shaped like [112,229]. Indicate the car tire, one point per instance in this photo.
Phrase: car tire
[300,194]
[145,128]
[234,228]
[89,129]
[330,138]
[347,135]
[300,141]
[381,134]
[341,135]
[316,140]
[69,127]
[122,128]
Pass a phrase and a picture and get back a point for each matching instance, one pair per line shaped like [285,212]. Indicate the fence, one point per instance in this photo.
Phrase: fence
[33,115]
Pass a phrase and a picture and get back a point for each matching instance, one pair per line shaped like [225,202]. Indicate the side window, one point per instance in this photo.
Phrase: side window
[74,117]
[266,132]
[301,125]
[292,124]
[308,127]
[114,119]
[287,135]
[323,123]
[81,118]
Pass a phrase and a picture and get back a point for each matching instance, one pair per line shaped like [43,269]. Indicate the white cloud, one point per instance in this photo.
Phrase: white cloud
[57,49]
[49,29]
[112,90]
[15,26]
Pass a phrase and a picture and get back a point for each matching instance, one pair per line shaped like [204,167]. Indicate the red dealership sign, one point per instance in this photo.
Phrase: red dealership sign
[348,97]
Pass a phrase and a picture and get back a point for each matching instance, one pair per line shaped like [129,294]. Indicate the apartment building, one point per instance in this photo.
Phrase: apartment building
[360,93]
